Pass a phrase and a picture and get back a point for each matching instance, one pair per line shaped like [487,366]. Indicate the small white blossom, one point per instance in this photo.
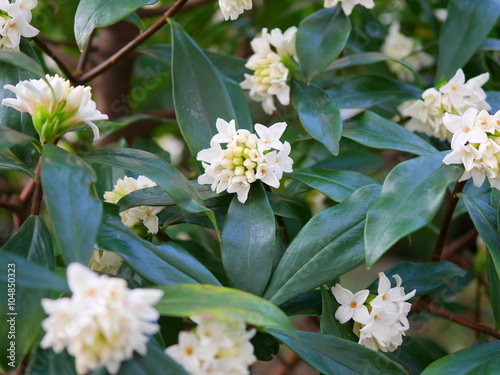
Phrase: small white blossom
[105,262]
[245,159]
[348,5]
[14,22]
[55,106]
[103,323]
[351,305]
[214,347]
[231,9]
[132,216]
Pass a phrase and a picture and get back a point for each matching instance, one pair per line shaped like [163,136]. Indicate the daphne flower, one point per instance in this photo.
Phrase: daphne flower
[464,129]
[56,107]
[351,305]
[105,262]
[14,22]
[348,5]
[135,215]
[231,9]
[214,347]
[103,323]
[245,158]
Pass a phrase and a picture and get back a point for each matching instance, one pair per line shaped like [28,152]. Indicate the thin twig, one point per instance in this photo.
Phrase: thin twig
[10,203]
[84,56]
[129,47]
[459,244]
[37,194]
[452,203]
[153,12]
[41,44]
[466,322]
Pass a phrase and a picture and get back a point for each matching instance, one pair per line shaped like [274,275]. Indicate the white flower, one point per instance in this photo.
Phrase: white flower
[105,261]
[283,42]
[352,305]
[14,22]
[132,216]
[231,9]
[464,129]
[348,5]
[214,347]
[464,95]
[56,107]
[245,159]
[103,323]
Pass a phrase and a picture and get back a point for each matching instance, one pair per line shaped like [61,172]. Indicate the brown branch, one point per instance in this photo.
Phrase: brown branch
[10,203]
[466,322]
[82,61]
[452,203]
[156,11]
[129,47]
[37,194]
[45,48]
[467,239]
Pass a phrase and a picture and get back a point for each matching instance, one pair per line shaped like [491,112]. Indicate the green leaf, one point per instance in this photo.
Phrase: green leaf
[200,94]
[319,114]
[335,184]
[332,355]
[483,359]
[164,264]
[11,137]
[465,29]
[494,287]
[93,14]
[424,277]
[185,300]
[150,165]
[484,218]
[33,243]
[22,61]
[249,241]
[9,164]
[320,39]
[74,211]
[369,129]
[361,91]
[31,275]
[332,237]
[46,362]
[308,304]
[411,195]
[329,324]
[366,58]
[416,353]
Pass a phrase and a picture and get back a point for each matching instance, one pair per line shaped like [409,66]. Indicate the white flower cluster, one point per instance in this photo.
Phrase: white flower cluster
[231,9]
[348,5]
[103,322]
[454,97]
[271,67]
[400,47]
[246,158]
[476,145]
[132,216]
[15,21]
[214,347]
[382,324]
[56,106]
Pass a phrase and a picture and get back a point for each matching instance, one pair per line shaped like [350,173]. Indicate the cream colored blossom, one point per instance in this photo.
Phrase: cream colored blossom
[231,9]
[105,262]
[14,22]
[348,5]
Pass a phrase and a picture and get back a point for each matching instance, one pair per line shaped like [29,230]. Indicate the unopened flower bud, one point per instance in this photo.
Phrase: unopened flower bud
[249,164]
[250,175]
[238,151]
[227,163]
[238,161]
[239,171]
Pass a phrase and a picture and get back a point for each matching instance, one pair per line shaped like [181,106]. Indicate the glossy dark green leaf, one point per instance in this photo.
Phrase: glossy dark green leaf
[9,164]
[333,237]
[33,243]
[164,264]
[484,218]
[249,241]
[200,94]
[329,324]
[361,91]
[74,211]
[31,275]
[22,61]
[366,58]
[150,165]
[320,39]
[335,184]
[332,355]
[482,359]
[185,300]
[424,277]
[308,304]
[466,27]
[318,114]
[11,137]
[493,99]
[292,208]
[46,362]
[494,287]
[411,195]
[371,130]
[93,14]
[416,353]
